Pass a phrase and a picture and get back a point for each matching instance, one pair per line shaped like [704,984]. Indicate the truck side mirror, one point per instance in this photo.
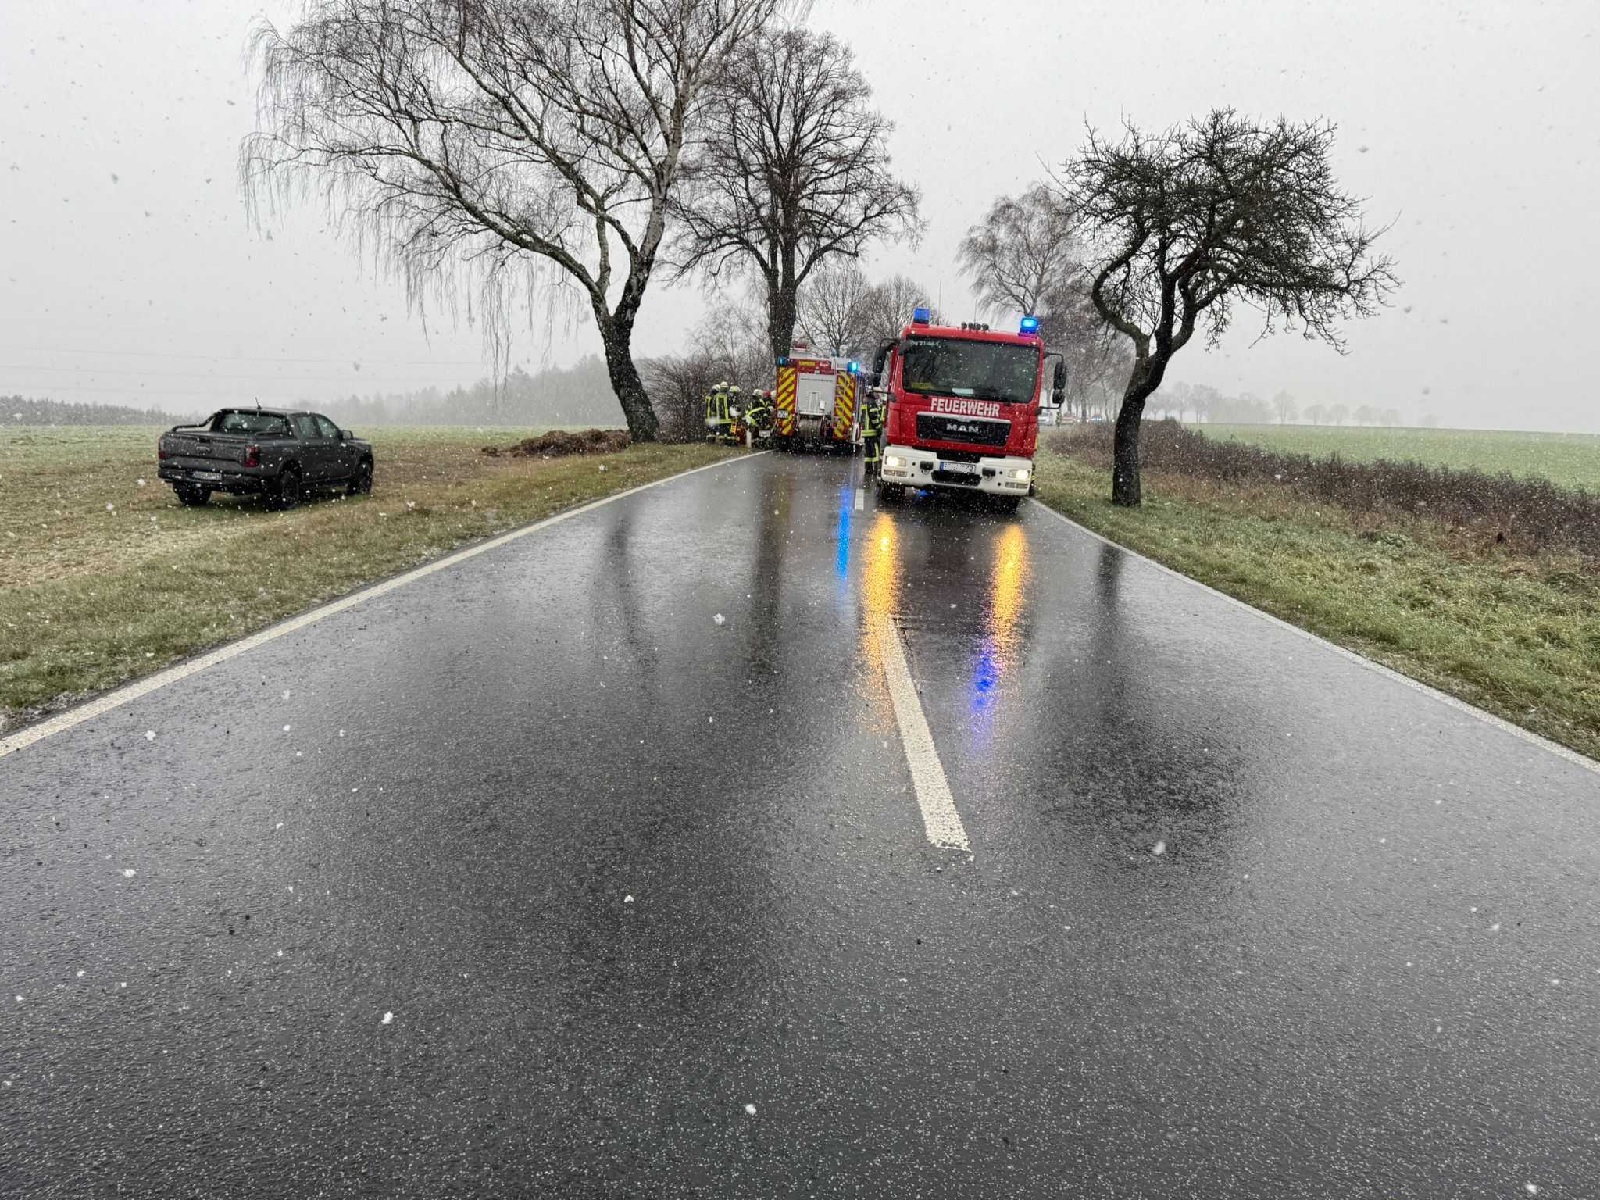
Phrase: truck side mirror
[1058,389]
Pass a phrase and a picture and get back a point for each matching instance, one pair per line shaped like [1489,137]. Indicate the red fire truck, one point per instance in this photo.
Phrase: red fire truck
[816,403]
[963,408]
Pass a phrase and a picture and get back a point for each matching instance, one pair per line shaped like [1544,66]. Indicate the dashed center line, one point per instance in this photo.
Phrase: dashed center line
[861,499]
[939,815]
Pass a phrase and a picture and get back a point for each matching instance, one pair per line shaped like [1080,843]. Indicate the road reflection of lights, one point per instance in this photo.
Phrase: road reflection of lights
[880,599]
[1000,648]
[841,564]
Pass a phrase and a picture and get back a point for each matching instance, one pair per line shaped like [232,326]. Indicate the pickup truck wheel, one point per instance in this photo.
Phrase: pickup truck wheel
[361,482]
[193,497]
[290,490]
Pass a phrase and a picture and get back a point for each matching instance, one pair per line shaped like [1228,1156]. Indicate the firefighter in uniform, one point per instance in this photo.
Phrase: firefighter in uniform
[872,414]
[736,415]
[719,421]
[759,417]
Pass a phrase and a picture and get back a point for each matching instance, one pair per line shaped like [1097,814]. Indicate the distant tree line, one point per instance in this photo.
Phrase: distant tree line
[16,410]
[577,395]
[1199,402]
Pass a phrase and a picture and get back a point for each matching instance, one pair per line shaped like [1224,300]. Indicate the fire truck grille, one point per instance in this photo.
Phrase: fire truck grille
[975,431]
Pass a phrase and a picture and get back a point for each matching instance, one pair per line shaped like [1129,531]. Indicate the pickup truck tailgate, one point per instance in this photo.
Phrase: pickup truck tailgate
[198,448]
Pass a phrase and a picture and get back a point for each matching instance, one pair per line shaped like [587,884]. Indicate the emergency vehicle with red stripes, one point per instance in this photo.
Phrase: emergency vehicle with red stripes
[816,404]
[963,407]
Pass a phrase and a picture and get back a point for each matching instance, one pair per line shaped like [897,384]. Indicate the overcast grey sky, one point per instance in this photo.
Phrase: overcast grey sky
[130,273]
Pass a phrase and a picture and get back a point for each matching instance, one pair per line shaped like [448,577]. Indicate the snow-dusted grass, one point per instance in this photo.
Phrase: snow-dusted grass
[1513,634]
[1569,459]
[104,578]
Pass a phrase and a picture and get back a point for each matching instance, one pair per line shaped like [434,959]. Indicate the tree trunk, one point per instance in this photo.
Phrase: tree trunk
[1127,489]
[782,315]
[616,333]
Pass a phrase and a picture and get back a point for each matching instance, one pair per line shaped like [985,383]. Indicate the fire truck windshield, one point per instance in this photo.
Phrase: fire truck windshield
[979,370]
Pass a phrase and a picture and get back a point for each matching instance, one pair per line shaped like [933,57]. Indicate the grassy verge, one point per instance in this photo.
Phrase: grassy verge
[1569,459]
[104,577]
[1517,636]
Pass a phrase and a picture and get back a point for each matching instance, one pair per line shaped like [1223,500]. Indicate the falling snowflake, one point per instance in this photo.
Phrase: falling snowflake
[129,873]
[627,899]
[749,1109]
[149,735]
[1159,849]
[720,619]
[388,1018]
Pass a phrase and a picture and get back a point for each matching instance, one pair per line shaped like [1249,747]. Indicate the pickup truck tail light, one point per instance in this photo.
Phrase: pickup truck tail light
[252,456]
[163,455]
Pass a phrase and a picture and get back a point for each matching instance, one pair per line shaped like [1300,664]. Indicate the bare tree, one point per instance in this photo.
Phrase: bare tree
[734,336]
[1317,414]
[887,308]
[1094,354]
[1177,394]
[831,309]
[728,346]
[1389,418]
[1184,224]
[1338,414]
[1023,254]
[792,170]
[1286,408]
[499,137]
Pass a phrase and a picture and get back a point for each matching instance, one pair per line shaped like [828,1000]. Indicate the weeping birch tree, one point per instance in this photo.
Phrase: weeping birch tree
[495,141]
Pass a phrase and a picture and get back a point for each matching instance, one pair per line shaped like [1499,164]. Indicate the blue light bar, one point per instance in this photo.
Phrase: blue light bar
[922,316]
[855,368]
[1030,326]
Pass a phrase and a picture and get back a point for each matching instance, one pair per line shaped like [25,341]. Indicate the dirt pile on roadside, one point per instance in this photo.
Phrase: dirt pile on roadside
[559,444]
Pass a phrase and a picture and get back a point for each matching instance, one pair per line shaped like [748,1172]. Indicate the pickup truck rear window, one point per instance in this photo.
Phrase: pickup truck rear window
[250,423]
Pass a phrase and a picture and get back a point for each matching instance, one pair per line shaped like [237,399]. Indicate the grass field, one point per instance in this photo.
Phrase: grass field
[1514,635]
[105,577]
[1570,459]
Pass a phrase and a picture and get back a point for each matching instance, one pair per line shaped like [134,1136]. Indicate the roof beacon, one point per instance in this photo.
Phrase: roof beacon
[923,316]
[1030,326]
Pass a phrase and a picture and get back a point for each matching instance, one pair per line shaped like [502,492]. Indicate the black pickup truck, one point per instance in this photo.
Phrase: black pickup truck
[278,455]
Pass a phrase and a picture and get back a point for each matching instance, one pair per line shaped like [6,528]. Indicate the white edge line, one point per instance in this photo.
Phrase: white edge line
[1488,718]
[940,818]
[98,707]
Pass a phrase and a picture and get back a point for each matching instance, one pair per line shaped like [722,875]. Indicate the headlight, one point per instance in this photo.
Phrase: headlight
[894,462]
[1022,475]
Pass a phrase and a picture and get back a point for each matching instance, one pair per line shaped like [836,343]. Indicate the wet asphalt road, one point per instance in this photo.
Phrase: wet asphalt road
[526,879]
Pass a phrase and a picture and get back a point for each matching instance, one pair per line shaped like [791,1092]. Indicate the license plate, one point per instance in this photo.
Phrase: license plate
[207,476]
